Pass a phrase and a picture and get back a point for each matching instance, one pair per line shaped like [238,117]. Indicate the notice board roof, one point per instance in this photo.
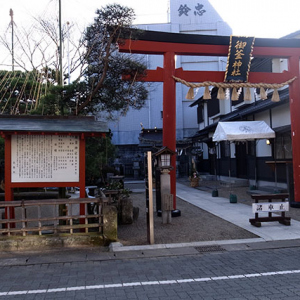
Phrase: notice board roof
[51,124]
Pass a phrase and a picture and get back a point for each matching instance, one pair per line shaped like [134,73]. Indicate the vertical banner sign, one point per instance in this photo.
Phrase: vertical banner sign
[239,59]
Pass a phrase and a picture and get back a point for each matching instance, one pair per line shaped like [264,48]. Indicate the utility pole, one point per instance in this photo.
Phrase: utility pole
[61,191]
[61,82]
[68,53]
[11,13]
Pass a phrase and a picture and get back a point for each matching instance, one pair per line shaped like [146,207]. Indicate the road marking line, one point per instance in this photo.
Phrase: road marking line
[253,275]
[76,288]
[203,279]
[150,282]
[130,284]
[285,272]
[269,273]
[113,285]
[36,291]
[185,280]
[167,282]
[236,276]
[219,278]
[97,287]
[56,290]
[17,293]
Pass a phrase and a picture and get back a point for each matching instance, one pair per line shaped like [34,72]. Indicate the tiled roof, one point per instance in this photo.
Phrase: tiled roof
[51,124]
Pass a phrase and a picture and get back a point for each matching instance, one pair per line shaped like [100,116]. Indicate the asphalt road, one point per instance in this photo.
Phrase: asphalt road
[206,274]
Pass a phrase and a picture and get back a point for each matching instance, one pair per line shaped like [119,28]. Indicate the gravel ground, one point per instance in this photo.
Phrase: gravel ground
[193,225]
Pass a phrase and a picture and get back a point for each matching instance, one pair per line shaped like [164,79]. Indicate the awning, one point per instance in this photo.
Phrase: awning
[245,130]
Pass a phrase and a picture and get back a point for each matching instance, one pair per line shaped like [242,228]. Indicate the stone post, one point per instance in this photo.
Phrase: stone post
[167,207]
[110,223]
[165,190]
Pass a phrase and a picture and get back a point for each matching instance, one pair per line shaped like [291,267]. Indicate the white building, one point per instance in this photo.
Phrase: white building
[187,17]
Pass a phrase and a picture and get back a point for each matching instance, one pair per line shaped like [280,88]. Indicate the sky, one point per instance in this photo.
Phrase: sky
[258,18]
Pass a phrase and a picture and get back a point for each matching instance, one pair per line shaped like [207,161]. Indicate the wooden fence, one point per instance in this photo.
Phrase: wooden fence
[28,217]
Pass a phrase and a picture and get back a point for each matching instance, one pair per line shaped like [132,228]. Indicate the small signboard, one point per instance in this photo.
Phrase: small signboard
[270,207]
[45,158]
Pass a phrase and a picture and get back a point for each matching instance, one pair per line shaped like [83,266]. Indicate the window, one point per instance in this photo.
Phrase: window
[225,149]
[200,117]
[283,146]
[213,104]
[213,107]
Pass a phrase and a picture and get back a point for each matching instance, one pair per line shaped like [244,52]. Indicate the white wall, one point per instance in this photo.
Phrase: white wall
[279,65]
[281,116]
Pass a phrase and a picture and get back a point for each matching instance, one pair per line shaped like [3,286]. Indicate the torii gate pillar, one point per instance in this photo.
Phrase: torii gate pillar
[169,114]
[294,92]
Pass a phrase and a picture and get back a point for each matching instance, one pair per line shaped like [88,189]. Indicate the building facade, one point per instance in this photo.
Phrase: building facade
[187,17]
[261,162]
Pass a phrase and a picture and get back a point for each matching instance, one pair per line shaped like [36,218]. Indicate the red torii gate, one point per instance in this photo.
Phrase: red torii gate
[171,44]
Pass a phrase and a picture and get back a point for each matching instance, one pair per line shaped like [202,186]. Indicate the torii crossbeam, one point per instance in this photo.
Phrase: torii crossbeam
[171,44]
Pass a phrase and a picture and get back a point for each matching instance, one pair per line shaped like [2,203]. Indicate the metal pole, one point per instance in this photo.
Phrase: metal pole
[11,13]
[275,170]
[255,173]
[69,79]
[150,188]
[61,82]
[62,191]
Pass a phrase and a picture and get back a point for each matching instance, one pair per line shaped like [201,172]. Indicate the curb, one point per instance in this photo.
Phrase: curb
[118,247]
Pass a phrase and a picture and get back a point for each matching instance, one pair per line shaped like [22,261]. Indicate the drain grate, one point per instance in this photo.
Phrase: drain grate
[214,248]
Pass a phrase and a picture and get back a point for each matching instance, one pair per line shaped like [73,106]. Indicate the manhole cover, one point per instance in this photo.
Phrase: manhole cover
[209,249]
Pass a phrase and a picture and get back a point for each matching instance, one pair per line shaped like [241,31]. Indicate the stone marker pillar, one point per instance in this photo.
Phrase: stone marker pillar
[110,223]
[165,190]
[167,207]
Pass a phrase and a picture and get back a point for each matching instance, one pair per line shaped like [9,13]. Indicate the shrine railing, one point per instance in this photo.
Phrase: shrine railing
[51,216]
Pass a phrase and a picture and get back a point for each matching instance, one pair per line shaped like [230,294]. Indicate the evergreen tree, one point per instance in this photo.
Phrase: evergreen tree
[103,88]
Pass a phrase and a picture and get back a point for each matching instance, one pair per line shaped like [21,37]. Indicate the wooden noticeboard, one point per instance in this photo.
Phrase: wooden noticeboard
[44,158]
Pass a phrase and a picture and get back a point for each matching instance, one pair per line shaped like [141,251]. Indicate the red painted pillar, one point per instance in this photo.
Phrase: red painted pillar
[294,91]
[9,196]
[82,173]
[169,114]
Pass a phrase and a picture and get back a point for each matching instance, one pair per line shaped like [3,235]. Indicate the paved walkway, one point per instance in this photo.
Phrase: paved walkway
[238,214]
